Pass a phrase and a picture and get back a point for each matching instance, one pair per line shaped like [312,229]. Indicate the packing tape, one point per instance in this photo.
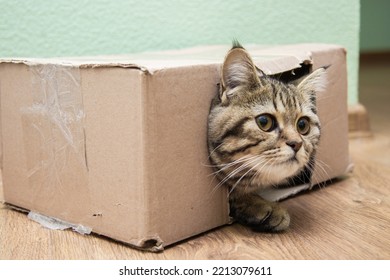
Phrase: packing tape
[53,131]
[57,224]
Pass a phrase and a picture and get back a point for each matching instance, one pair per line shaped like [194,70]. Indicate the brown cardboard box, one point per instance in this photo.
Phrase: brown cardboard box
[117,145]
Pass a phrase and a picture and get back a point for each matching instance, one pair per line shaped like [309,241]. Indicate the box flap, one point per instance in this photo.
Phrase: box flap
[270,59]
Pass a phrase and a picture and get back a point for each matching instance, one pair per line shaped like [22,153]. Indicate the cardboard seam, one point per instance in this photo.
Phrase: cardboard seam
[150,241]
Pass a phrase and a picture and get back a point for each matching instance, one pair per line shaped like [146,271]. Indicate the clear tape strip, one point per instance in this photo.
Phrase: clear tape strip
[53,131]
[57,224]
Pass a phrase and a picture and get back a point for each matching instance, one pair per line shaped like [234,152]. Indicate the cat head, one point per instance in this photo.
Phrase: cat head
[263,132]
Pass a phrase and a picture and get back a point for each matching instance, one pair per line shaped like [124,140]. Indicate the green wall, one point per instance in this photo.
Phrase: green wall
[47,28]
[375,26]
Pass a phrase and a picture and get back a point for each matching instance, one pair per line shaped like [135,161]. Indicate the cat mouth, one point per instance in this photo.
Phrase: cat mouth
[292,159]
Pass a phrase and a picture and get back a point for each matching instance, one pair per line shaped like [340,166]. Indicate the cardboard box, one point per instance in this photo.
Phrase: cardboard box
[117,145]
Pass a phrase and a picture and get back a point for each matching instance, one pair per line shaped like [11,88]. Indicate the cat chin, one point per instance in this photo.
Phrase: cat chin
[278,174]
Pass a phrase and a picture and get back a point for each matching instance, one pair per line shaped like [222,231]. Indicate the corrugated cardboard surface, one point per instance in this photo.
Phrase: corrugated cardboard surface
[118,144]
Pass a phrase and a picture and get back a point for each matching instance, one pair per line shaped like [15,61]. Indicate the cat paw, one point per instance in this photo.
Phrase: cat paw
[262,216]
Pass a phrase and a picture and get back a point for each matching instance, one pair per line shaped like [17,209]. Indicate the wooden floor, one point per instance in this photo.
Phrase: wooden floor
[349,219]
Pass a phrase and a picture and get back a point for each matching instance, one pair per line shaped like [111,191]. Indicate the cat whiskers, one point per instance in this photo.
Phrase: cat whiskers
[223,166]
[256,166]
[259,171]
[213,151]
[322,173]
[242,162]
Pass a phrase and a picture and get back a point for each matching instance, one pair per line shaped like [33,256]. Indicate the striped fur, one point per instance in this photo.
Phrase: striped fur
[247,158]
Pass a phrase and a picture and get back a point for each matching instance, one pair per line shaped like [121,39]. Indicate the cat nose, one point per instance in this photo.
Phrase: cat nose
[295,145]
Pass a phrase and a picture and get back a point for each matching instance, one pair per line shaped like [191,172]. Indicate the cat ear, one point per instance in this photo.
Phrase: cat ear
[238,72]
[313,83]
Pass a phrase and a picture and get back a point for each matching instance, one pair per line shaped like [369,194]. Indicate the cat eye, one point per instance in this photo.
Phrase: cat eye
[303,125]
[266,122]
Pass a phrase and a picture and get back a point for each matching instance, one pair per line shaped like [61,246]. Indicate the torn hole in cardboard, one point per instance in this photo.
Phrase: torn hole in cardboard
[151,244]
[296,74]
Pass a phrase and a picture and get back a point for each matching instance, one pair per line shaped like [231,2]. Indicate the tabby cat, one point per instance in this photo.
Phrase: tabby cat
[262,133]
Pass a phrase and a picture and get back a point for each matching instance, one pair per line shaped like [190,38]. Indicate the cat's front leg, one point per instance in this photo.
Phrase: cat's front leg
[261,215]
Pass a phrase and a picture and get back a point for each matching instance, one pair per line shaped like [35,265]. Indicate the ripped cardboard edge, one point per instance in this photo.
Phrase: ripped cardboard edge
[57,224]
[273,60]
[149,243]
[274,194]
